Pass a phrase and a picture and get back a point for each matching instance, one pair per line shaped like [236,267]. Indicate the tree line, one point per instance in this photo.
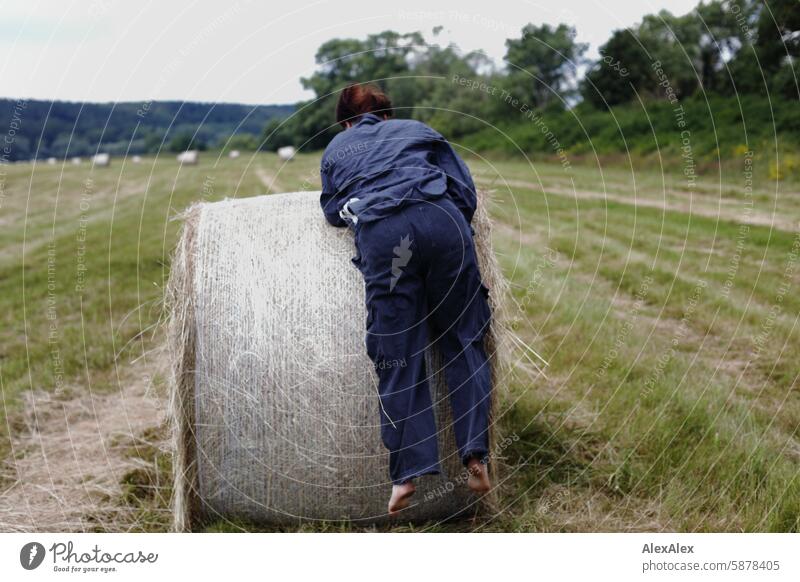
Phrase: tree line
[730,64]
[722,48]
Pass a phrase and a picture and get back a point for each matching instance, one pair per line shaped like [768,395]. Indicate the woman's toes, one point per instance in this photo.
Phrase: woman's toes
[478,477]
[400,498]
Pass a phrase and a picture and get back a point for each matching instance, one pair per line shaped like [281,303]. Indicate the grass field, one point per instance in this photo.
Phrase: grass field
[667,311]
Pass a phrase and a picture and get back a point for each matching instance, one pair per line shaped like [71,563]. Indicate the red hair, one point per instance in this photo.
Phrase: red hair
[356,100]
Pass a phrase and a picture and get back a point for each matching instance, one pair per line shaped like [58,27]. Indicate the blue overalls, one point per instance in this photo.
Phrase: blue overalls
[410,200]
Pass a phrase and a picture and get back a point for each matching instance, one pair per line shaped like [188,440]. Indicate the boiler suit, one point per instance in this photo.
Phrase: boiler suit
[410,199]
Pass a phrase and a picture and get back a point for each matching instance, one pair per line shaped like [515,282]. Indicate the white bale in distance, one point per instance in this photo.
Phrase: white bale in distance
[136,159]
[274,406]
[188,158]
[51,161]
[286,153]
[103,159]
[233,154]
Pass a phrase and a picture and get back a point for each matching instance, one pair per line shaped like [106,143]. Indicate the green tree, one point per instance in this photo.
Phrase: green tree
[778,45]
[778,33]
[673,43]
[382,58]
[693,52]
[623,68]
[721,38]
[185,141]
[543,63]
[441,101]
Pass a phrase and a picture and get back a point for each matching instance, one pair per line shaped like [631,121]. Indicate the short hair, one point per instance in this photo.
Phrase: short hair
[357,99]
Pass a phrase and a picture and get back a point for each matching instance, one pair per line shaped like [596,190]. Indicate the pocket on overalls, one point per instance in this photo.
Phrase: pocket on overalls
[483,313]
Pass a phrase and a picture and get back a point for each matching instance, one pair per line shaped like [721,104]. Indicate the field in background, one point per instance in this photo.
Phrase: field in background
[667,311]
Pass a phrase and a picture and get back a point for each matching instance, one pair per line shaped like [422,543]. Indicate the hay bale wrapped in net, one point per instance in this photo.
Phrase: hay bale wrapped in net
[274,400]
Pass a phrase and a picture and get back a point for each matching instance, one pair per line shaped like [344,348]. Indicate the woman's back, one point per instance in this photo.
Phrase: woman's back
[385,164]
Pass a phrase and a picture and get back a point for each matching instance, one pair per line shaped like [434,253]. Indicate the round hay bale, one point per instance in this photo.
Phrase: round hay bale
[274,402]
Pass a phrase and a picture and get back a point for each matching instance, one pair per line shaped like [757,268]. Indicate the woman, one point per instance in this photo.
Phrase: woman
[410,200]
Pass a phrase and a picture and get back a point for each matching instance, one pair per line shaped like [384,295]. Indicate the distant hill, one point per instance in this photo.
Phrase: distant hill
[60,128]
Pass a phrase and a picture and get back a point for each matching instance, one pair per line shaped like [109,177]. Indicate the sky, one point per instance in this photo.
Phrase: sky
[247,51]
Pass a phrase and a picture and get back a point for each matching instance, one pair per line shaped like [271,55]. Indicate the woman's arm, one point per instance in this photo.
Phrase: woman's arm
[327,199]
[460,186]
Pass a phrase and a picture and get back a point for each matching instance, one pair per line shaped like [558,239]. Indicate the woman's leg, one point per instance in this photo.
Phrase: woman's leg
[460,317]
[396,340]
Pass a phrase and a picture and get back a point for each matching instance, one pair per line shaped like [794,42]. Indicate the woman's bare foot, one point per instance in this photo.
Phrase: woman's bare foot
[400,497]
[478,479]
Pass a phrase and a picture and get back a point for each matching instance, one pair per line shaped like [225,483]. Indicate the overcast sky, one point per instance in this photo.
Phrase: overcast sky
[249,51]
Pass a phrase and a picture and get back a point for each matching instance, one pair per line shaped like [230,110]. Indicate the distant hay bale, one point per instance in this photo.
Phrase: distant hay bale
[233,154]
[102,159]
[286,153]
[273,400]
[188,158]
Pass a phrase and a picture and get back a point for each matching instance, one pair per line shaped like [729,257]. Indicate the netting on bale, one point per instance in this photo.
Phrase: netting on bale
[274,402]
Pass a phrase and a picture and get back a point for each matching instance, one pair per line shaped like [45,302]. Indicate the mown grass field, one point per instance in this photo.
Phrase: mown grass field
[668,314]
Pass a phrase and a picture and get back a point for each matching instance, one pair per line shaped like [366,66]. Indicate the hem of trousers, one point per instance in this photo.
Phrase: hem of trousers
[479,452]
[431,470]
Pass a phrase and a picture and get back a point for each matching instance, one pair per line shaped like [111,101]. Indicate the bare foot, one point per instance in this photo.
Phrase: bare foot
[478,479]
[400,497]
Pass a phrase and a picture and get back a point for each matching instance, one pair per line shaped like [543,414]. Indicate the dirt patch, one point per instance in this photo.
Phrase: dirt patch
[521,239]
[83,461]
[269,180]
[563,509]
[685,202]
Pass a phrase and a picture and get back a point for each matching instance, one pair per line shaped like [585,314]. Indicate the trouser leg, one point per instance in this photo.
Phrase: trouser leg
[396,340]
[460,317]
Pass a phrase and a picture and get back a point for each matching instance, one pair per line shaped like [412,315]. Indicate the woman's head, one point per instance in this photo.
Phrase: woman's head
[356,100]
